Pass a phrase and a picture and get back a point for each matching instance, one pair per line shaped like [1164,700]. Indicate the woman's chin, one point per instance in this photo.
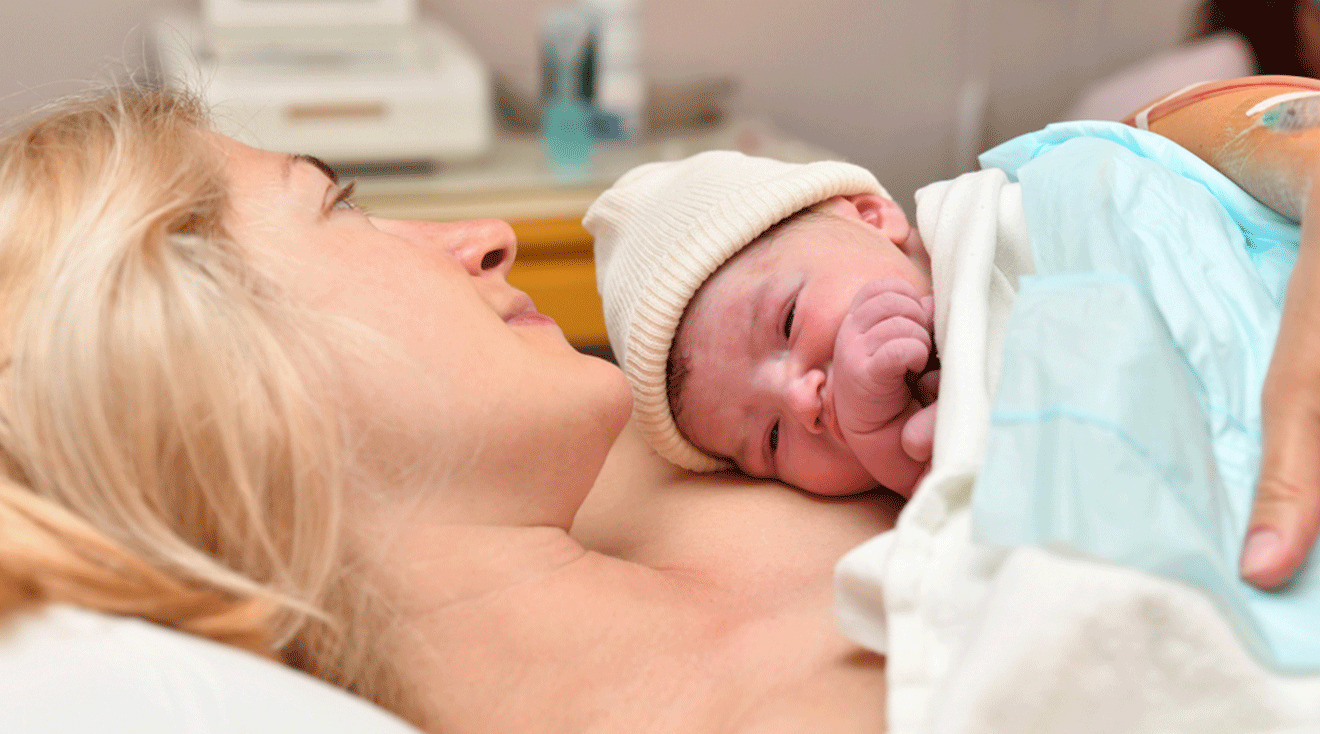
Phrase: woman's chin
[621,398]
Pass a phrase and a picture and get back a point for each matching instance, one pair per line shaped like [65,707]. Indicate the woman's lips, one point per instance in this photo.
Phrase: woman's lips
[533,318]
[524,313]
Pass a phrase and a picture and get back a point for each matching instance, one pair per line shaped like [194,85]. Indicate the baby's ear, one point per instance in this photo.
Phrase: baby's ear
[882,213]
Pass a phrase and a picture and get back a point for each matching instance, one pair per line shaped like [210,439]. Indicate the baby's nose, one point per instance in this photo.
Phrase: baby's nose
[804,399]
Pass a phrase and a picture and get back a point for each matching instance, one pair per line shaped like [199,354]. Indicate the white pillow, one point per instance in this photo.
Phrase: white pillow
[65,669]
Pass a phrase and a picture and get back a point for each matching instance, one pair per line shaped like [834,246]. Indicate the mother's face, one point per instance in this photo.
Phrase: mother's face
[479,377]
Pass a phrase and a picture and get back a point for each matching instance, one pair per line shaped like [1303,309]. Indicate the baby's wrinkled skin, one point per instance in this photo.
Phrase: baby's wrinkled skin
[886,378]
[808,356]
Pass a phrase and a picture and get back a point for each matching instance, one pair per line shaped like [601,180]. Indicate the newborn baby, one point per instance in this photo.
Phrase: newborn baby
[773,316]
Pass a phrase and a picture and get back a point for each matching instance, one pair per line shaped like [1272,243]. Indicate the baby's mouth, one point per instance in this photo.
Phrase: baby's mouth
[918,383]
[932,362]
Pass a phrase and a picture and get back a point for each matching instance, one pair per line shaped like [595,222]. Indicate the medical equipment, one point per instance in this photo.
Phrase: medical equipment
[355,82]
[1299,111]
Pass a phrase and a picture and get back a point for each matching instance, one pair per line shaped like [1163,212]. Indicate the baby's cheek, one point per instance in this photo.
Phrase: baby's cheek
[836,476]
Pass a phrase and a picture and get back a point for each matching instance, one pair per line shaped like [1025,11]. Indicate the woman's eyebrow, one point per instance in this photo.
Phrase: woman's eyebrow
[324,167]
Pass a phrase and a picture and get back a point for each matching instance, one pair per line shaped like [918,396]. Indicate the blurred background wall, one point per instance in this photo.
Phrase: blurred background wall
[905,88]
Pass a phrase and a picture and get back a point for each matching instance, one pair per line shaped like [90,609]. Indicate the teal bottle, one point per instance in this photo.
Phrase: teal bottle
[566,135]
[567,68]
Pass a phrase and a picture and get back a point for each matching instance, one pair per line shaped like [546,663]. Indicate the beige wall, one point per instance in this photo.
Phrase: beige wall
[50,47]
[879,81]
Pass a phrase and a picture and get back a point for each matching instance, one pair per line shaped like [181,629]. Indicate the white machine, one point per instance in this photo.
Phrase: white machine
[359,83]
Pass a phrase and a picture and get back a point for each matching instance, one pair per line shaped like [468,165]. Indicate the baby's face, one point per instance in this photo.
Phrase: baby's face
[758,344]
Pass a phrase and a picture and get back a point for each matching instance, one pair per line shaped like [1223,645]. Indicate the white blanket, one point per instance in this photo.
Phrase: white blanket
[983,639]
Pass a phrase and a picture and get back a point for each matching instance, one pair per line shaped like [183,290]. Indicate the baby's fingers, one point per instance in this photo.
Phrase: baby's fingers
[898,351]
[885,299]
[918,437]
[878,286]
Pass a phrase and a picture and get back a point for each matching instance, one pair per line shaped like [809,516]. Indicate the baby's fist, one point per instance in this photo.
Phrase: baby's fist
[884,338]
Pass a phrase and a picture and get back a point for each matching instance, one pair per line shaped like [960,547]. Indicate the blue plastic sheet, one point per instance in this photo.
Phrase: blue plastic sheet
[1127,422]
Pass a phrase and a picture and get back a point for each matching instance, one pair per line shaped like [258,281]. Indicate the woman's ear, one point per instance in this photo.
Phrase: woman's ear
[882,213]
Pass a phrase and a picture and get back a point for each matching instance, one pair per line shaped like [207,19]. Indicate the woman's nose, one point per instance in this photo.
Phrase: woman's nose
[804,399]
[486,247]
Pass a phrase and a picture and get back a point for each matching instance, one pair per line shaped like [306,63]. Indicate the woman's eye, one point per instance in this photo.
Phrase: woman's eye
[344,199]
[788,320]
[774,437]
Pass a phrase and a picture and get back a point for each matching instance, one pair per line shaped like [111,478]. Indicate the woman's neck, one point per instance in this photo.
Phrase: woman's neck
[706,607]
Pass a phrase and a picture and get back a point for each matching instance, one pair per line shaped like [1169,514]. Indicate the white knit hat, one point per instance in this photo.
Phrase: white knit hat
[661,230]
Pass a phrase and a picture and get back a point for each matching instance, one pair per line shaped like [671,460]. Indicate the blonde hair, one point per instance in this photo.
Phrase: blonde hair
[169,444]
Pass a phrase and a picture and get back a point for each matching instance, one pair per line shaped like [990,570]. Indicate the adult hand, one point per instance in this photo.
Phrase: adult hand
[1286,515]
[1277,164]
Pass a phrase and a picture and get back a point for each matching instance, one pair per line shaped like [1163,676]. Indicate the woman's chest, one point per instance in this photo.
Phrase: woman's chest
[613,652]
